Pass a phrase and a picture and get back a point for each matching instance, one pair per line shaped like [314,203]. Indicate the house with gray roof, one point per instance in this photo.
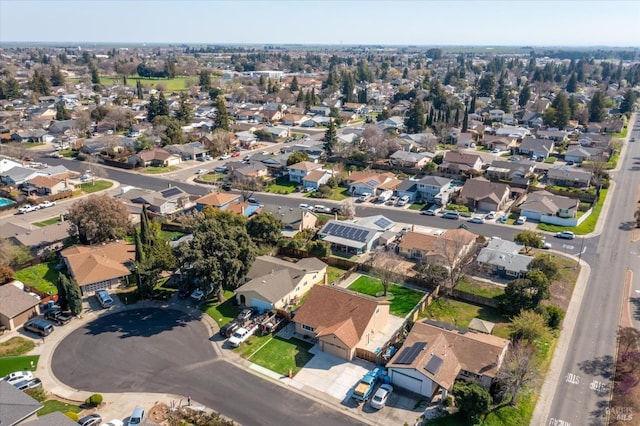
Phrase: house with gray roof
[579,153]
[354,238]
[503,257]
[16,307]
[435,189]
[164,202]
[274,283]
[409,159]
[541,204]
[569,176]
[541,148]
[15,405]
[518,172]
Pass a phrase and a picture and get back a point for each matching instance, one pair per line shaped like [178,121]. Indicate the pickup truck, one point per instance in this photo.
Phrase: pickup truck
[242,334]
[57,316]
[363,390]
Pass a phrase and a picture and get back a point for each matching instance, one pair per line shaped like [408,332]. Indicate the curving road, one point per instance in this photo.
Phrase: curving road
[168,351]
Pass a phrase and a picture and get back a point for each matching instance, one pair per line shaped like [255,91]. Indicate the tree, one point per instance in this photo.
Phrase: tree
[265,228]
[97,219]
[465,120]
[152,108]
[546,265]
[318,248]
[297,157]
[597,111]
[13,254]
[433,274]
[385,265]
[629,100]
[95,76]
[162,108]
[525,95]
[415,121]
[486,85]
[527,292]
[457,255]
[572,83]
[528,326]
[6,274]
[221,120]
[519,371]
[562,110]
[56,78]
[219,255]
[71,294]
[62,285]
[11,89]
[39,83]
[473,400]
[330,138]
[205,80]
[62,113]
[184,114]
[529,239]
[552,314]
[294,84]
[348,208]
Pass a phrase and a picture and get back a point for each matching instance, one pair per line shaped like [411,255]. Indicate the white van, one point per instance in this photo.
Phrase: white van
[104,299]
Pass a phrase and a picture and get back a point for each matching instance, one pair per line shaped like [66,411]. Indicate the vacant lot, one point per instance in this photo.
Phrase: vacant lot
[402,299]
[43,277]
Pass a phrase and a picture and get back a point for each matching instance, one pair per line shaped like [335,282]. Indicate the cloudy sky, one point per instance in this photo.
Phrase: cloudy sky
[418,22]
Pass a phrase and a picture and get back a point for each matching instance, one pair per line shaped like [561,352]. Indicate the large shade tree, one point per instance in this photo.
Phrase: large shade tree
[97,219]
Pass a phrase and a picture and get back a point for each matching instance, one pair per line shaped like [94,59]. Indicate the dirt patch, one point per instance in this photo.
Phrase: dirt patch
[159,413]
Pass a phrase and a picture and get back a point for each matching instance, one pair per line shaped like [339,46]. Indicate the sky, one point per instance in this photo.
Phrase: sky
[418,22]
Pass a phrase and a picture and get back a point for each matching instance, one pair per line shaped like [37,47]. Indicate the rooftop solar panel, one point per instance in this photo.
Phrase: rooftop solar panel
[409,354]
[383,222]
[171,192]
[434,364]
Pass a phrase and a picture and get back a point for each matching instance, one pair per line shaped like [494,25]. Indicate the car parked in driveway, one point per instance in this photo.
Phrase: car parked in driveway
[566,235]
[46,204]
[91,420]
[37,326]
[28,384]
[380,398]
[27,209]
[521,220]
[57,316]
[229,328]
[18,376]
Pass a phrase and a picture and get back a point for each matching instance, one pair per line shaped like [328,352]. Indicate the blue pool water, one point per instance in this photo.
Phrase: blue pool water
[5,202]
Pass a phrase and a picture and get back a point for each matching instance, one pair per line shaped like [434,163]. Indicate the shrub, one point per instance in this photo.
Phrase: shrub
[73,416]
[553,315]
[94,400]
[6,274]
[37,393]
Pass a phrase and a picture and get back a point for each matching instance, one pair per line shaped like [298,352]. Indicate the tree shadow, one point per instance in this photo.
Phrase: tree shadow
[599,415]
[599,366]
[145,322]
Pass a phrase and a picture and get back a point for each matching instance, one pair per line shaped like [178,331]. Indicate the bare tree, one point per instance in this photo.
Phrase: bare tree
[83,121]
[220,141]
[386,266]
[519,371]
[457,253]
[248,186]
[348,208]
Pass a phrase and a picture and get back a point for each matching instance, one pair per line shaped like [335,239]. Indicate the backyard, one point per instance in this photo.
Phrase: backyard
[334,273]
[460,314]
[402,299]
[95,186]
[43,277]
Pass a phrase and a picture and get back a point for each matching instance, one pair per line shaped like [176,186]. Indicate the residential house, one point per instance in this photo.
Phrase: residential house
[435,189]
[480,194]
[408,188]
[99,267]
[579,153]
[43,240]
[48,185]
[409,159]
[289,119]
[188,151]
[434,355]
[496,115]
[371,183]
[7,164]
[293,220]
[275,283]
[246,138]
[20,175]
[542,203]
[445,249]
[532,119]
[16,406]
[320,110]
[298,171]
[16,307]
[541,148]
[33,135]
[340,320]
[276,132]
[62,127]
[165,202]
[354,238]
[218,200]
[503,143]
[503,258]
[155,157]
[392,123]
[553,134]
[517,172]
[316,178]
[456,162]
[595,140]
[568,176]
[246,171]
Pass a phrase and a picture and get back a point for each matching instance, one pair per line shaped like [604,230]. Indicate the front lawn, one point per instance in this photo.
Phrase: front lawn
[51,405]
[98,185]
[223,312]
[47,222]
[158,170]
[282,186]
[171,235]
[460,314]
[16,346]
[417,206]
[43,277]
[212,177]
[281,355]
[403,299]
[10,364]
[129,296]
[252,345]
[337,194]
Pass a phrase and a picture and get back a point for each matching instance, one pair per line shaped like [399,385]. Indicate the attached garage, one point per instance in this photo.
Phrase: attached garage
[405,380]
[335,348]
[16,307]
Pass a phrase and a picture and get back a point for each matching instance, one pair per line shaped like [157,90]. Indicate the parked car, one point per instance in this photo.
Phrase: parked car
[380,398]
[491,215]
[566,235]
[546,245]
[225,156]
[201,171]
[40,327]
[235,154]
[27,209]
[244,315]
[476,219]
[91,420]
[198,295]
[570,163]
[304,206]
[229,328]
[220,169]
[137,417]
[57,316]
[114,422]
[226,187]
[451,215]
[18,376]
[45,204]
[319,208]
[252,200]
[28,384]
[521,220]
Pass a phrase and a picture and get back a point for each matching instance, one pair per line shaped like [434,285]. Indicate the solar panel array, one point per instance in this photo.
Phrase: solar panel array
[434,364]
[348,232]
[383,222]
[409,354]
[171,192]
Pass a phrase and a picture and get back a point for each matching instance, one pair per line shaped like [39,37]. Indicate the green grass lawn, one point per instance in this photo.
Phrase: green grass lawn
[98,185]
[223,312]
[417,206]
[212,177]
[171,235]
[159,170]
[10,364]
[43,277]
[68,153]
[334,273]
[47,222]
[550,160]
[460,314]
[282,186]
[26,145]
[403,299]
[480,288]
[587,226]
[52,405]
[16,346]
[172,85]
[252,345]
[281,355]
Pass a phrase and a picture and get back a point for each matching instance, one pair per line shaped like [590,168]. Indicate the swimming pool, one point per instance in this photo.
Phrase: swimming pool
[6,202]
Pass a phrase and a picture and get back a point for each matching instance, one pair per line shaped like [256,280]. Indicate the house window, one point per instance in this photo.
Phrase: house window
[307,328]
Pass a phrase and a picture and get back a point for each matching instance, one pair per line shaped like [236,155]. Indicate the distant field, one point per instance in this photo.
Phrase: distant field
[171,85]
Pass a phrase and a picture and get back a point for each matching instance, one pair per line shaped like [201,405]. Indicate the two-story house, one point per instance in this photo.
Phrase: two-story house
[298,171]
[456,162]
[434,189]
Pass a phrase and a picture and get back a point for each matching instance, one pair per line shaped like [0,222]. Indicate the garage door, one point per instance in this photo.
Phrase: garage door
[407,382]
[92,288]
[332,349]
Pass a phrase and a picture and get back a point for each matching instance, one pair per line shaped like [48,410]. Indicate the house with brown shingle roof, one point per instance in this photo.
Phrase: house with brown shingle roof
[457,162]
[372,183]
[435,355]
[298,171]
[480,194]
[316,178]
[340,320]
[437,249]
[99,267]
[219,200]
[48,185]
[156,157]
[16,307]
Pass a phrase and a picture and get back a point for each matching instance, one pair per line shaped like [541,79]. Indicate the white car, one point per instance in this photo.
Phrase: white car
[197,295]
[521,220]
[476,220]
[225,157]
[46,204]
[566,235]
[304,206]
[380,398]
[26,209]
[202,171]
[114,422]
[18,376]
[490,215]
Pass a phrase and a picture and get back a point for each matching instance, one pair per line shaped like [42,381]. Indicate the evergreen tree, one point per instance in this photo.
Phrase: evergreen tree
[185,111]
[627,103]
[456,120]
[221,120]
[62,113]
[152,108]
[362,96]
[205,80]
[294,84]
[465,121]
[11,88]
[562,110]
[525,95]
[261,82]
[472,106]
[300,97]
[597,111]
[505,102]
[330,139]
[124,80]
[95,77]
[74,297]
[62,285]
[153,255]
[572,83]
[39,83]
[415,120]
[163,107]
[57,78]
[139,90]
